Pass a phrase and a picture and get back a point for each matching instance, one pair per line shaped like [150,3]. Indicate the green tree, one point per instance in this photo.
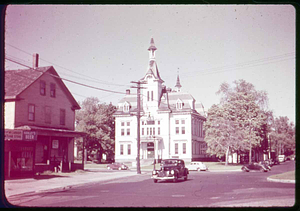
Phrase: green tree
[243,113]
[97,121]
[283,136]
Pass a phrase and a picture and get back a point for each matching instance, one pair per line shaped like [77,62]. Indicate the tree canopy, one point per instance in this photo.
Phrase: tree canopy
[97,121]
[239,120]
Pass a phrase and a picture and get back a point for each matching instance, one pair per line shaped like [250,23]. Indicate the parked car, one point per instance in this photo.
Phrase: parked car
[170,169]
[255,167]
[266,163]
[281,158]
[197,166]
[116,165]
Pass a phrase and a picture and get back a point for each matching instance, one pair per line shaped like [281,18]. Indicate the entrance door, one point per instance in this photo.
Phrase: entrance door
[150,150]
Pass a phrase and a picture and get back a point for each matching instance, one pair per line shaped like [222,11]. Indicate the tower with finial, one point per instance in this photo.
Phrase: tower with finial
[152,50]
[178,85]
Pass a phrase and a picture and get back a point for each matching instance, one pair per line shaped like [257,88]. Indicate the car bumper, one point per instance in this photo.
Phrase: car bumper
[162,178]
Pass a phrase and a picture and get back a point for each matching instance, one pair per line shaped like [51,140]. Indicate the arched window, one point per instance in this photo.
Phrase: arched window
[126,107]
[179,104]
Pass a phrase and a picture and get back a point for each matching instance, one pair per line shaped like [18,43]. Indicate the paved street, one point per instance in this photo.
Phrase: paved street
[203,189]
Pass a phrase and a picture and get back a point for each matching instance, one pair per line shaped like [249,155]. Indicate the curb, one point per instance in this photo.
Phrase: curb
[281,180]
[69,186]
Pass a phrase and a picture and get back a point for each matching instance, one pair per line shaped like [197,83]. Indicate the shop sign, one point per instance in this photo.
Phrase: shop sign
[13,134]
[29,135]
[55,144]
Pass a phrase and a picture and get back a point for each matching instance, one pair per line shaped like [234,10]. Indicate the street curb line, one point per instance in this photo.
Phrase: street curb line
[280,180]
[67,187]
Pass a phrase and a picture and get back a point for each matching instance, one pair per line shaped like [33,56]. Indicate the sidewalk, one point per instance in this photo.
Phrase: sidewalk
[62,181]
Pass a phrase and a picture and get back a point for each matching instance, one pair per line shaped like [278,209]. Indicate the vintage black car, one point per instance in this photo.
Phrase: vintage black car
[255,167]
[170,169]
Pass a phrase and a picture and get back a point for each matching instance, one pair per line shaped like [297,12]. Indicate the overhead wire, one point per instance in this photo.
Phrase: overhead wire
[93,87]
[56,65]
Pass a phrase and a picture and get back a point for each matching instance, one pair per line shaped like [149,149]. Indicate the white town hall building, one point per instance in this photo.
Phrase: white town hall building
[170,127]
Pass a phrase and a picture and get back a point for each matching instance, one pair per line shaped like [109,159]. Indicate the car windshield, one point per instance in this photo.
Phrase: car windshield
[169,162]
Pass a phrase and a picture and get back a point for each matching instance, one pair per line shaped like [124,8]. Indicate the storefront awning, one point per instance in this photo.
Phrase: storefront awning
[51,131]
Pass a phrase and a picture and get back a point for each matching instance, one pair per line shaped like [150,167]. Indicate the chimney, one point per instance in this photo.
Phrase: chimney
[35,60]
[128,91]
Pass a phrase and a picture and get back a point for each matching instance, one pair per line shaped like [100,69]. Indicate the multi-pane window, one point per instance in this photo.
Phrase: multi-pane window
[143,131]
[31,112]
[183,148]
[128,131]
[158,131]
[147,131]
[121,149]
[148,96]
[52,90]
[180,126]
[151,95]
[125,128]
[176,148]
[62,116]
[42,87]
[154,131]
[158,122]
[150,131]
[177,130]
[47,114]
[129,149]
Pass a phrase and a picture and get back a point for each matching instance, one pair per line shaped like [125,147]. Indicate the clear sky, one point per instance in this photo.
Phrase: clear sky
[106,47]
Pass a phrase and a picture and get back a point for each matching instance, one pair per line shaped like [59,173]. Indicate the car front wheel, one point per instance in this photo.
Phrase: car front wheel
[175,178]
[155,181]
[186,177]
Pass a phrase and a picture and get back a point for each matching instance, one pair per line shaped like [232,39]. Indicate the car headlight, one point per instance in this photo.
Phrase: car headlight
[123,166]
[153,172]
[172,172]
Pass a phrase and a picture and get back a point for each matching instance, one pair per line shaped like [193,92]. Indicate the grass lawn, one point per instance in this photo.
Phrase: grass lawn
[290,175]
[210,165]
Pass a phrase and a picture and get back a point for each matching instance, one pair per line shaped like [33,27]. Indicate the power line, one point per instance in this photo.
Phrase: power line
[56,65]
[97,88]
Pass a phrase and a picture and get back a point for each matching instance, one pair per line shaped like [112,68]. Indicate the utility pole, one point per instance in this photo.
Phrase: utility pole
[138,87]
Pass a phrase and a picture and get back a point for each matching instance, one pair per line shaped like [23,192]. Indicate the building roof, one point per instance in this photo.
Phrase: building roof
[17,81]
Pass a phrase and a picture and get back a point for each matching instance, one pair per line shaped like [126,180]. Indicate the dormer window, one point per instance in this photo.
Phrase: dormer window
[179,104]
[126,107]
